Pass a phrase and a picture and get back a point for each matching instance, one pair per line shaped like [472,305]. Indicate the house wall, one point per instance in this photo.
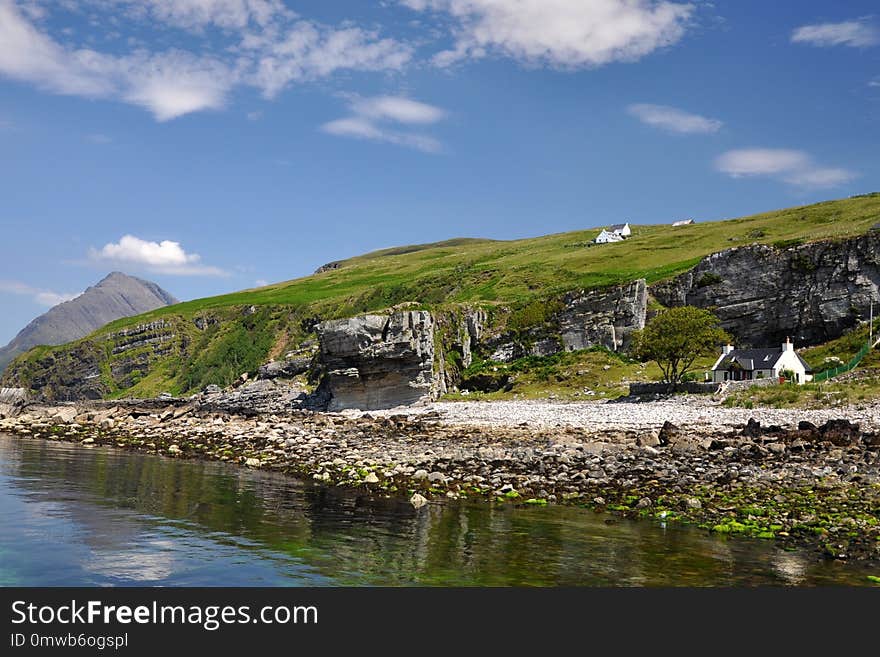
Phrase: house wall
[790,361]
[718,375]
[606,238]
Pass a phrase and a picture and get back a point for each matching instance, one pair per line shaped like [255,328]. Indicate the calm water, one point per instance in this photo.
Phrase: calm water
[73,516]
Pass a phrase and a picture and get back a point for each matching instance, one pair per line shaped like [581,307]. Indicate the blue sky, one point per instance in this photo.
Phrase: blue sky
[210,145]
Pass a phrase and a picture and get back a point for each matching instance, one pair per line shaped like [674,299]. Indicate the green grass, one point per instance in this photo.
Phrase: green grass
[471,270]
[520,283]
[861,385]
[840,351]
[566,375]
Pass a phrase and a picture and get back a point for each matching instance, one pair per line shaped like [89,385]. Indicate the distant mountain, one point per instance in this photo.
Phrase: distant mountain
[118,295]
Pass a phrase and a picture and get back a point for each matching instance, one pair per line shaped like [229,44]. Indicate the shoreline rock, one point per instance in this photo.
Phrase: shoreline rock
[802,482]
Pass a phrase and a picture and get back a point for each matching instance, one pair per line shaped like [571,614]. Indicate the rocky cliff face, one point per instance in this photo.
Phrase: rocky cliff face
[116,296]
[603,317]
[378,361]
[761,294]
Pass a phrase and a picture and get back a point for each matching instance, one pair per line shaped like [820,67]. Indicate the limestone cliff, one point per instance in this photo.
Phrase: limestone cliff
[603,317]
[378,361]
[812,292]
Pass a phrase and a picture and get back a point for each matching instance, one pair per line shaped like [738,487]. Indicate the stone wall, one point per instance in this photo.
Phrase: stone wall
[377,361]
[690,387]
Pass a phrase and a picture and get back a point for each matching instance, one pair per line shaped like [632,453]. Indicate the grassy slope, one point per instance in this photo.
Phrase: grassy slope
[862,385]
[461,270]
[514,271]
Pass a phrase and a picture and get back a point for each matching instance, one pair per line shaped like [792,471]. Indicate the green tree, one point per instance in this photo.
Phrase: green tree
[676,337]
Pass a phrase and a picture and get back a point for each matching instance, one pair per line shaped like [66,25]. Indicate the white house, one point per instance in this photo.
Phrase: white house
[606,237]
[683,222]
[750,364]
[620,229]
[615,233]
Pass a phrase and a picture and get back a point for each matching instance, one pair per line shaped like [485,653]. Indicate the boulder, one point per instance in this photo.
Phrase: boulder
[284,368]
[668,434]
[378,361]
[840,433]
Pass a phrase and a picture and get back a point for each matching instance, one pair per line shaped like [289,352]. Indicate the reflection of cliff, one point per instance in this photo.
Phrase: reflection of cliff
[138,518]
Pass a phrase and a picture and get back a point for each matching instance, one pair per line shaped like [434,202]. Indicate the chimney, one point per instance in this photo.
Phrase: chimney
[726,349]
[787,345]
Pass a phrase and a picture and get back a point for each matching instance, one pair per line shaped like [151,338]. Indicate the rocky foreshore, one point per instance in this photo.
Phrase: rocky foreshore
[800,478]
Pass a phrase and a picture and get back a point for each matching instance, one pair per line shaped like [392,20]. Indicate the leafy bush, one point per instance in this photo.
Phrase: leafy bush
[709,278]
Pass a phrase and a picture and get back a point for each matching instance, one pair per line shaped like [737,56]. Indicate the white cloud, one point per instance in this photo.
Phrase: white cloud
[673,120]
[856,34]
[371,116]
[874,83]
[820,177]
[176,83]
[40,296]
[559,33]
[792,166]
[197,14]
[397,108]
[260,44]
[306,51]
[164,257]
[260,282]
[761,161]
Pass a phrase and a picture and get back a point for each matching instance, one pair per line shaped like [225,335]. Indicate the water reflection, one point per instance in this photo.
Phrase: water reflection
[75,516]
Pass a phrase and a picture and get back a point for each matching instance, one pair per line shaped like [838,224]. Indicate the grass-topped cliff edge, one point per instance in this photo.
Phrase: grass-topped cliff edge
[515,277]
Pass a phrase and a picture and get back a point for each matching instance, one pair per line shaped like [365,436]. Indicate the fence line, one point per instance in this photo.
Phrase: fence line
[824,375]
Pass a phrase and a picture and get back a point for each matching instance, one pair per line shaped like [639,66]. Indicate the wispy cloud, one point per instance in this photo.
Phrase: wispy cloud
[874,83]
[559,33]
[165,257]
[259,43]
[856,34]
[98,138]
[40,296]
[794,167]
[370,119]
[397,108]
[261,282]
[674,120]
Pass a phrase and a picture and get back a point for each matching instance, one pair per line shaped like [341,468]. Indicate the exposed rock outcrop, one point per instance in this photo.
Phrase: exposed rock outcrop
[114,297]
[762,294]
[378,361]
[11,401]
[605,317]
[284,369]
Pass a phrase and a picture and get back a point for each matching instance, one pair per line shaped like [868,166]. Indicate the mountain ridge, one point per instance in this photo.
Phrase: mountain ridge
[115,296]
[517,298]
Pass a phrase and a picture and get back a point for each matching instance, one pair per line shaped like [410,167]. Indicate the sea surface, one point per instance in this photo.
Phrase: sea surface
[76,516]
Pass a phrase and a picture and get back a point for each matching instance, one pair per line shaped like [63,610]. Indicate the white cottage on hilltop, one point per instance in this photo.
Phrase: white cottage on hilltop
[615,233]
[751,364]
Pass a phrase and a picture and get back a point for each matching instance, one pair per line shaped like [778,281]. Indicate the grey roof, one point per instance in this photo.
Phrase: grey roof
[756,359]
[617,227]
[807,368]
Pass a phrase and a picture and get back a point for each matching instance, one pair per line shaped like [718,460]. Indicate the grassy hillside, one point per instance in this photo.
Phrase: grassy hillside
[215,339]
[514,271]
